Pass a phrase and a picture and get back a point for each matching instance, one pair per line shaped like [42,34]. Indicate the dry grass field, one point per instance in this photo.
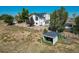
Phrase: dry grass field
[15,39]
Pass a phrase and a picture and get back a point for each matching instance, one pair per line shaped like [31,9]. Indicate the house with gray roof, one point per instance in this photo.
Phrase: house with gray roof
[40,19]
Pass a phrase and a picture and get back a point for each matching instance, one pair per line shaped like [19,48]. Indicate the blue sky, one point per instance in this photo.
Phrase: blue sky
[13,10]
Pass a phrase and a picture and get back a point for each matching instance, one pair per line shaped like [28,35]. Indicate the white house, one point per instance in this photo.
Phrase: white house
[40,19]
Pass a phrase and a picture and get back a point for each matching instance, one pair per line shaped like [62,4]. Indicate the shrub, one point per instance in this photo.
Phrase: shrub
[45,31]
[76,29]
[8,19]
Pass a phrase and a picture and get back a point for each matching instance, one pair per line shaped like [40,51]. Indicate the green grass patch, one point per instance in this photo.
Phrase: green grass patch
[60,37]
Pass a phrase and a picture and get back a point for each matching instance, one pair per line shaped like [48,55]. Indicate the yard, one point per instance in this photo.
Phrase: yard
[23,39]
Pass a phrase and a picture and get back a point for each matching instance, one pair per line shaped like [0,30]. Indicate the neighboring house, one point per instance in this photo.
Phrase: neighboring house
[68,27]
[40,19]
[69,24]
[50,37]
[70,21]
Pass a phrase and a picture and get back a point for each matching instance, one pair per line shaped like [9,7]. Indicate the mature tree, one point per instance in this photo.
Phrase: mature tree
[76,26]
[58,19]
[25,14]
[53,21]
[8,19]
[77,20]
[19,18]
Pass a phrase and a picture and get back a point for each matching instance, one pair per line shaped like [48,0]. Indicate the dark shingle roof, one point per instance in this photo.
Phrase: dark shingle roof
[51,34]
[41,15]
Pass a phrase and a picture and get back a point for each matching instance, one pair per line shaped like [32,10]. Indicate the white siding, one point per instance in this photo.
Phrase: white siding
[55,40]
[40,22]
[47,16]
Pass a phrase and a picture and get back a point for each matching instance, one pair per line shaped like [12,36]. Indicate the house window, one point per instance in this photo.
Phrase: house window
[37,18]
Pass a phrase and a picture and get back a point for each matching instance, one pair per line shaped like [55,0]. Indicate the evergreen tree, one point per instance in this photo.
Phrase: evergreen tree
[76,26]
[23,16]
[58,19]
